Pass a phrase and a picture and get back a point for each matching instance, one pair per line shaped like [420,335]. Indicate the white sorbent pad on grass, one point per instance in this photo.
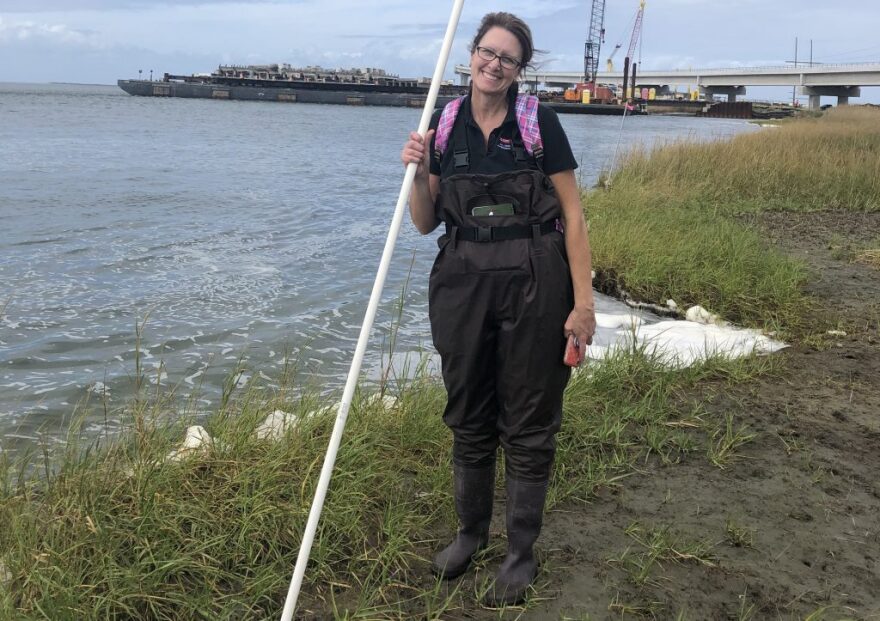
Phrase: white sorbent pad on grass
[681,343]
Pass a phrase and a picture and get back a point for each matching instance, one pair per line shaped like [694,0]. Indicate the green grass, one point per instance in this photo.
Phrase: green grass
[116,531]
[655,545]
[685,253]
[828,162]
[669,225]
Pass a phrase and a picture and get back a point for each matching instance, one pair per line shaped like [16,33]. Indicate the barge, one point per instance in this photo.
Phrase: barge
[351,87]
[283,83]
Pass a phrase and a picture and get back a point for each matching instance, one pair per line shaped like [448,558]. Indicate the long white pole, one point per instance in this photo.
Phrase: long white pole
[617,147]
[353,373]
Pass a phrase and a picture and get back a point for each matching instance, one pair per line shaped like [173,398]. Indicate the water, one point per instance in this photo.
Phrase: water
[234,231]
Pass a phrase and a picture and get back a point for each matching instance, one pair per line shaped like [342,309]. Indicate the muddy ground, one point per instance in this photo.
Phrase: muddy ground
[792,526]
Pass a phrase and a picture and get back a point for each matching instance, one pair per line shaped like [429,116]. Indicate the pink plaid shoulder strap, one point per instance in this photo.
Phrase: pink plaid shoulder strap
[444,125]
[526,119]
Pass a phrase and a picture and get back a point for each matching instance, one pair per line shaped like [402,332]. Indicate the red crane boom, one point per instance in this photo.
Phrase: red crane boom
[637,30]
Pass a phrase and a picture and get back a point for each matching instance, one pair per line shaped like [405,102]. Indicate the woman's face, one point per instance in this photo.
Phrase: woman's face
[490,76]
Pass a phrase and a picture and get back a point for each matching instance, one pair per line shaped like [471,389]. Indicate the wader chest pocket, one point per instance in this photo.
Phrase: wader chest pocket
[497,204]
[504,209]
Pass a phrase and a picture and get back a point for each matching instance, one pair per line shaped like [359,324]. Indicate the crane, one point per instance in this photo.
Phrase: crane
[595,37]
[609,64]
[637,30]
[636,33]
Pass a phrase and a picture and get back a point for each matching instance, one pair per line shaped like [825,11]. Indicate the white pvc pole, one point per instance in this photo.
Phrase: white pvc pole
[341,416]
[616,148]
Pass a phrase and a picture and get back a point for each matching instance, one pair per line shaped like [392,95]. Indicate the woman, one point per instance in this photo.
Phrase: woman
[510,285]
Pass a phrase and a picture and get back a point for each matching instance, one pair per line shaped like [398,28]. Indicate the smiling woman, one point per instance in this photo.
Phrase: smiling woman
[510,284]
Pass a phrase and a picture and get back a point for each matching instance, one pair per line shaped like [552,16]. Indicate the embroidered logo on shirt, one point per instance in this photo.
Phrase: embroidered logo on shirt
[505,143]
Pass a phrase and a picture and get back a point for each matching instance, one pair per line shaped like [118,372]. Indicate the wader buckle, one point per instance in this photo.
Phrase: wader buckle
[536,232]
[485,233]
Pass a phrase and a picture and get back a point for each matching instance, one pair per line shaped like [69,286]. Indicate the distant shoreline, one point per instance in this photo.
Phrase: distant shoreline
[56,83]
[73,83]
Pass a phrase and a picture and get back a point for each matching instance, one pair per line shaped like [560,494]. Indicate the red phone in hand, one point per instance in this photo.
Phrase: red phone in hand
[573,357]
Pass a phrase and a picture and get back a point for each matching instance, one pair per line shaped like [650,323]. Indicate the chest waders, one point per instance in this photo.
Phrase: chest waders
[497,307]
[500,293]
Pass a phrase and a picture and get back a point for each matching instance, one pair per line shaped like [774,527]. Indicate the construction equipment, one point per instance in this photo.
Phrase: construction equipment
[636,34]
[609,65]
[637,31]
[583,92]
[595,38]
[588,92]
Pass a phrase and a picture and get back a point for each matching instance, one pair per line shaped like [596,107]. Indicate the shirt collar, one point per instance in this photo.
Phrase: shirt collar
[511,109]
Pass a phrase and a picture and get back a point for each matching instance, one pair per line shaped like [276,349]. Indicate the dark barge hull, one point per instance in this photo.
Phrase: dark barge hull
[343,94]
[590,108]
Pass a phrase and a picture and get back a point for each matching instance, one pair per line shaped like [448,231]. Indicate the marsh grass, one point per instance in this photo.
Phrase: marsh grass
[683,252]
[112,529]
[726,438]
[829,162]
[670,226]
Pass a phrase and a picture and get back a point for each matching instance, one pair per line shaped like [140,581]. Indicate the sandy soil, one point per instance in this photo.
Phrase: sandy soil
[792,524]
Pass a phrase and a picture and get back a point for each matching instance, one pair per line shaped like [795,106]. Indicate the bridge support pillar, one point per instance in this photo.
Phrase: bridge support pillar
[730,91]
[843,93]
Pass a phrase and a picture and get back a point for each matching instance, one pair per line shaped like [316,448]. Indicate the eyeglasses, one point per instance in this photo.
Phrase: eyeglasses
[506,61]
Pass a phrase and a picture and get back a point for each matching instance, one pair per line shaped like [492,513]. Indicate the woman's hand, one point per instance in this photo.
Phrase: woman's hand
[416,151]
[581,323]
[425,185]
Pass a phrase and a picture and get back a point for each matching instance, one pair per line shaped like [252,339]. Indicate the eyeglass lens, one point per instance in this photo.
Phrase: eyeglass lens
[506,61]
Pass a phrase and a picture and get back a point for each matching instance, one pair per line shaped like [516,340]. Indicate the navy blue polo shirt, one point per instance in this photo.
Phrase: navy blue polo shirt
[499,157]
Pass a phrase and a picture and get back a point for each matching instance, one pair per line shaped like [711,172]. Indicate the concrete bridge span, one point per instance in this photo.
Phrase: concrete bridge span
[842,81]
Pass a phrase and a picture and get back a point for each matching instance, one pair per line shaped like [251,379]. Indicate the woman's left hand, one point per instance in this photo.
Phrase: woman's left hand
[582,324]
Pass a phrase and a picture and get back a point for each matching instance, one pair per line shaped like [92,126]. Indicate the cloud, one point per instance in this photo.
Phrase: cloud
[473,10]
[401,31]
[27,31]
[50,6]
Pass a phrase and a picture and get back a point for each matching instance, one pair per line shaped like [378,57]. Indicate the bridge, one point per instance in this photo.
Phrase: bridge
[841,81]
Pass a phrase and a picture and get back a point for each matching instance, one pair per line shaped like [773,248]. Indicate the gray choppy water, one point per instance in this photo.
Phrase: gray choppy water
[243,230]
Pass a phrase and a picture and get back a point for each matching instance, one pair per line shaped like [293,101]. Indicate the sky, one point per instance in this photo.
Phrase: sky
[100,41]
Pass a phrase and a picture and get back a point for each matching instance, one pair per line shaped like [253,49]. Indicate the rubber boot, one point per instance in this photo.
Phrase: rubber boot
[474,488]
[525,513]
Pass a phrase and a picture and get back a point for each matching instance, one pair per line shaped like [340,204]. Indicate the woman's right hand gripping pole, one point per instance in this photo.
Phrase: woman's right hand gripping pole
[425,186]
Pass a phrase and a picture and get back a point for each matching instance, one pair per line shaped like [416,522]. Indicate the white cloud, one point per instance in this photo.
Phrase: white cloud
[53,33]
